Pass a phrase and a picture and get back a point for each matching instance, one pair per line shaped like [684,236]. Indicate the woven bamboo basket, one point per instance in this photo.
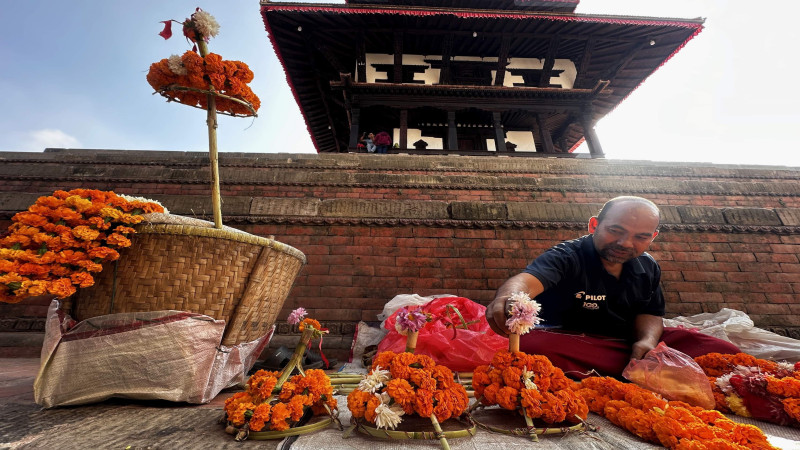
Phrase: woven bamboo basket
[223,273]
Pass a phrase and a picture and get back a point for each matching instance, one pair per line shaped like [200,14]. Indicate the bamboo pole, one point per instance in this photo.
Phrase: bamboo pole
[211,121]
[411,341]
[438,428]
[513,342]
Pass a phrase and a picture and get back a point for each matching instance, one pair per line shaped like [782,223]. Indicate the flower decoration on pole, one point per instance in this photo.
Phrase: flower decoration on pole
[531,385]
[276,401]
[205,81]
[751,387]
[523,317]
[403,384]
[61,240]
[408,323]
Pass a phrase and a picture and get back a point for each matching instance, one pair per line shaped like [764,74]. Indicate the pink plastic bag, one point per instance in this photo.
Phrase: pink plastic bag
[455,347]
[672,374]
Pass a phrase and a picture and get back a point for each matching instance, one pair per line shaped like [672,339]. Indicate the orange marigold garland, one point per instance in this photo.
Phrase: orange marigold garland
[752,387]
[56,245]
[276,401]
[673,424]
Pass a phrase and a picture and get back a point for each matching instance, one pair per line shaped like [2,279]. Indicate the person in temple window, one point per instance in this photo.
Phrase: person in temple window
[382,142]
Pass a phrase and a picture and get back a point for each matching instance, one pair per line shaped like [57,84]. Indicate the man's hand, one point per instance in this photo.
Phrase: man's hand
[640,348]
[648,329]
[497,310]
[496,315]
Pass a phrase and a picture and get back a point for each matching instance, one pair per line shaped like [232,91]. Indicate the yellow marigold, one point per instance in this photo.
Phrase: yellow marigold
[85,233]
[79,203]
[111,213]
[736,404]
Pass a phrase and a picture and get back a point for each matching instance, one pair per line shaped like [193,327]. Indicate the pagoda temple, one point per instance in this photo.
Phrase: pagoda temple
[510,77]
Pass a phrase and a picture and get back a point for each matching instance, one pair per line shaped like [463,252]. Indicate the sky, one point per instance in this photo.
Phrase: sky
[73,76]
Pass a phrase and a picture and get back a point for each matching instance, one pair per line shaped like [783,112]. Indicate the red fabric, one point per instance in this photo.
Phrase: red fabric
[382,138]
[578,354]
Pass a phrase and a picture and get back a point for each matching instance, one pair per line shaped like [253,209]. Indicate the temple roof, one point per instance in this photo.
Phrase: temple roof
[524,5]
[317,43]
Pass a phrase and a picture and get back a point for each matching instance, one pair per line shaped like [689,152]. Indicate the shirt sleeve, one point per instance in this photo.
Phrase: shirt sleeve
[554,265]
[656,305]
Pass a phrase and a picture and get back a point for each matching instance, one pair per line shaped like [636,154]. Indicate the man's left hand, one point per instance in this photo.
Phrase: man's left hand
[640,348]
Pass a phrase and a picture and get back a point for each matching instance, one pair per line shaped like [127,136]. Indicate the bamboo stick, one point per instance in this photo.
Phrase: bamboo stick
[438,428]
[211,122]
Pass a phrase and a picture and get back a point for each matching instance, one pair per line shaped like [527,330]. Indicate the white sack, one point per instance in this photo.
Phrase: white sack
[157,355]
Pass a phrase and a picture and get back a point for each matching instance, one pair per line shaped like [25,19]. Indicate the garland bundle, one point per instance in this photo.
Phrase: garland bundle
[675,424]
[405,383]
[274,402]
[531,385]
[56,245]
[191,70]
[752,387]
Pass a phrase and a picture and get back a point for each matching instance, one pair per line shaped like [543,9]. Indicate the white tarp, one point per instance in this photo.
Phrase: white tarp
[736,327]
[157,355]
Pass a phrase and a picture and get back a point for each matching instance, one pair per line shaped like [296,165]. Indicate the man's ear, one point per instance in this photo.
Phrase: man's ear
[592,224]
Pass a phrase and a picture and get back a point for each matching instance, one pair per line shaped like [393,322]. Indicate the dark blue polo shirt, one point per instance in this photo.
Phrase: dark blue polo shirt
[581,296]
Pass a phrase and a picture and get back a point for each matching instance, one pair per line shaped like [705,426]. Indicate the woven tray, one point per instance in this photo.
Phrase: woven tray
[223,273]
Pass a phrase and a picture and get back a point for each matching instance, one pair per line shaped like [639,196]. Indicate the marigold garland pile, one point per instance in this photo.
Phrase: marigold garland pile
[530,384]
[260,409]
[192,70]
[56,245]
[409,384]
[673,424]
[752,387]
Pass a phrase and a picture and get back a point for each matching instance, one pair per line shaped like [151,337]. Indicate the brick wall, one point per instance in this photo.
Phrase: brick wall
[374,226]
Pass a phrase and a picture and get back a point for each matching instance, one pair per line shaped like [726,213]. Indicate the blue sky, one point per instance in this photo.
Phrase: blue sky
[74,76]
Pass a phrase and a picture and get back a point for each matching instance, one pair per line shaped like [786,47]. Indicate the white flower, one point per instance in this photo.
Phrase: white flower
[388,416]
[787,366]
[724,383]
[374,381]
[528,377]
[205,24]
[131,198]
[176,65]
[524,313]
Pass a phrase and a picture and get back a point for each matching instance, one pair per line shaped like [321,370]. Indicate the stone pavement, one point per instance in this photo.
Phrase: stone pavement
[114,424]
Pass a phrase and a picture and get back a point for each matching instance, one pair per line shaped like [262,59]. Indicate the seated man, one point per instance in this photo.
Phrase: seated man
[601,297]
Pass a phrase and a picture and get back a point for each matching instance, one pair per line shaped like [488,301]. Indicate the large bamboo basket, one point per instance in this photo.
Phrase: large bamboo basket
[223,273]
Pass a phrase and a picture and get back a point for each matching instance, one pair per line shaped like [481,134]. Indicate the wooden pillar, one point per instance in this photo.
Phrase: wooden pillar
[549,62]
[502,61]
[398,57]
[452,135]
[595,150]
[355,115]
[447,50]
[499,135]
[403,129]
[361,59]
[544,134]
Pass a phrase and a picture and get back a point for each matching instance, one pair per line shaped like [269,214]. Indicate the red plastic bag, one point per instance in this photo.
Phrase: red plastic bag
[445,340]
[672,374]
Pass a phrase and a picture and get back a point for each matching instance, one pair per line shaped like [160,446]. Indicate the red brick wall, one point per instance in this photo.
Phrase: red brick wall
[735,243]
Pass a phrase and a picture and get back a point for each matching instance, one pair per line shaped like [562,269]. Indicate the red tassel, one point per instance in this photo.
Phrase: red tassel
[166,33]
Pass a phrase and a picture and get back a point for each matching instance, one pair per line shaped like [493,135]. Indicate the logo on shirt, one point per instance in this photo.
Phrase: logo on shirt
[590,300]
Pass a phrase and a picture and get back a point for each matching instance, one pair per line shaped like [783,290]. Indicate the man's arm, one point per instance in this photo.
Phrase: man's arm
[496,310]
[648,329]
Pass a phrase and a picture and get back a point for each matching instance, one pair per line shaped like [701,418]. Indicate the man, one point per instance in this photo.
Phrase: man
[601,297]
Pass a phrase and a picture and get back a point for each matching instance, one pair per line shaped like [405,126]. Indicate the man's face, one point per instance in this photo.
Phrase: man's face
[626,231]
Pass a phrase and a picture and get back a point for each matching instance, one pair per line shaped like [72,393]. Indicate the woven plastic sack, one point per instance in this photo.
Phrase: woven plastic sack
[158,355]
[672,374]
[445,340]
